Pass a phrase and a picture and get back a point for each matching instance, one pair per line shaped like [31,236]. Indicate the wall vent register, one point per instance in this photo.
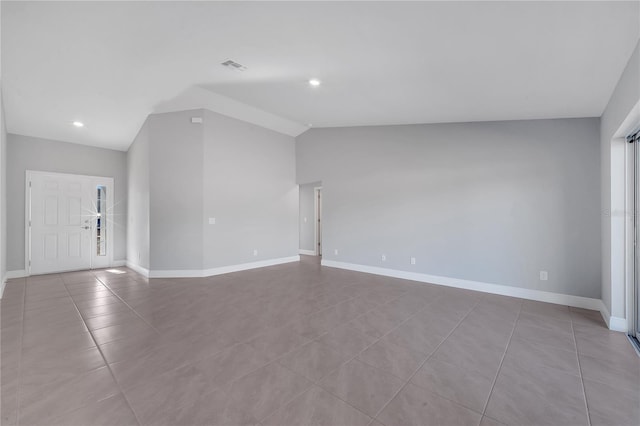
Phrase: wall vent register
[233,65]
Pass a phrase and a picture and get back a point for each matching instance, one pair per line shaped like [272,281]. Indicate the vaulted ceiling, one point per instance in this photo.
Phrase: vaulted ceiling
[110,64]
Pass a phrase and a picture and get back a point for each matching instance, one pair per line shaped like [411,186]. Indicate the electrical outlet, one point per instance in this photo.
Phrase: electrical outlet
[383,258]
[413,260]
[544,276]
[335,251]
[255,252]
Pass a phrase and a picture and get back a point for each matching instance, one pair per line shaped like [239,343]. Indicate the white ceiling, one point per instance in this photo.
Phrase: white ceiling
[111,64]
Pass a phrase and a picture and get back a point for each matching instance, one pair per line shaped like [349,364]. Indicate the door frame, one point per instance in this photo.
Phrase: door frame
[630,193]
[317,236]
[106,180]
[632,238]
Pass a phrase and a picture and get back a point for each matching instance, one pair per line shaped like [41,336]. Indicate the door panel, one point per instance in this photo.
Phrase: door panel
[63,221]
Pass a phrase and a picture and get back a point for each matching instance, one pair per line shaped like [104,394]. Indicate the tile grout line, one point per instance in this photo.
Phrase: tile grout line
[126,304]
[313,382]
[495,379]
[245,342]
[19,384]
[317,339]
[428,357]
[317,383]
[275,361]
[101,354]
[424,362]
[584,392]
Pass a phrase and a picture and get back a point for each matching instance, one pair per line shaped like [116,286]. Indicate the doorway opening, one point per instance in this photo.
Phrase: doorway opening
[68,223]
[634,293]
[317,191]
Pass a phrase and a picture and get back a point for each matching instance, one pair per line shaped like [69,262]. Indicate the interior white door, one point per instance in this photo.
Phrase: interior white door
[60,235]
[68,227]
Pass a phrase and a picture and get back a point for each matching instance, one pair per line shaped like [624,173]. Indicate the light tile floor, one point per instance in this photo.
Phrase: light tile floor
[300,344]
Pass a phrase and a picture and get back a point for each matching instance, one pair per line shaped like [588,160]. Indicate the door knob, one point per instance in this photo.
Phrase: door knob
[86,227]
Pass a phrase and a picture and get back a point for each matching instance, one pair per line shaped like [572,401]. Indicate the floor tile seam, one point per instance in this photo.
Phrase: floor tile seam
[318,385]
[84,306]
[127,305]
[584,392]
[446,361]
[266,416]
[551,328]
[229,384]
[99,328]
[380,369]
[87,405]
[545,345]
[215,388]
[19,381]
[413,314]
[317,382]
[448,398]
[617,387]
[408,381]
[547,317]
[615,366]
[378,339]
[596,315]
[329,330]
[67,380]
[113,377]
[48,299]
[506,349]
[326,308]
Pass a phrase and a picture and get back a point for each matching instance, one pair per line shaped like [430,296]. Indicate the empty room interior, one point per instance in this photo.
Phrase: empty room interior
[358,213]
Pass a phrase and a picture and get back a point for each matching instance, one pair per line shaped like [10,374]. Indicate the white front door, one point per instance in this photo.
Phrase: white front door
[68,224]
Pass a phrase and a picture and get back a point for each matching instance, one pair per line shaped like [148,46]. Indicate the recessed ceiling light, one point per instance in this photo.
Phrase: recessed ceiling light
[78,124]
[314,82]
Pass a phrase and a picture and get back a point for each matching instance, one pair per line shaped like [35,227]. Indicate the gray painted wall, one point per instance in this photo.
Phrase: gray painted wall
[238,173]
[625,95]
[175,166]
[307,211]
[30,153]
[250,189]
[492,202]
[3,197]
[138,199]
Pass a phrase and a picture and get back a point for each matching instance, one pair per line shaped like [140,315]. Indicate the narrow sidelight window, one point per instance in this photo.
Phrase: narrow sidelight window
[101,221]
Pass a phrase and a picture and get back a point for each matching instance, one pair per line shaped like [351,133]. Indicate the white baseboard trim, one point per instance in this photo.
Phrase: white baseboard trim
[199,273]
[139,269]
[20,273]
[613,323]
[523,293]
[119,263]
[618,324]
[307,252]
[9,276]
[3,284]
[605,314]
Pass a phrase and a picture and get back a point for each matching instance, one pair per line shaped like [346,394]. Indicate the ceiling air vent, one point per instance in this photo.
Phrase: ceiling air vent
[234,65]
